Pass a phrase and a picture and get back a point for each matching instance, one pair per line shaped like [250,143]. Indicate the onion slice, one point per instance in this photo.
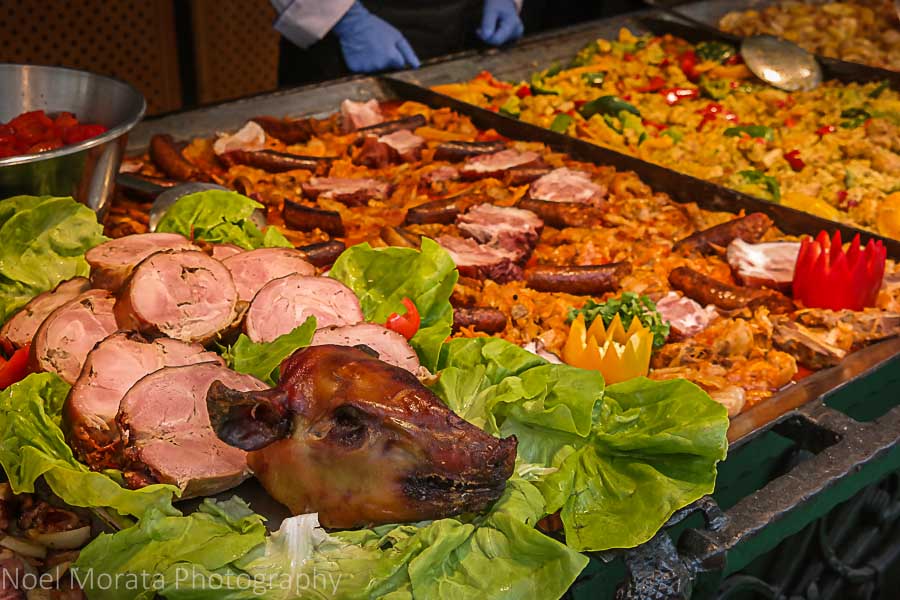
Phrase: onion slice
[71,539]
[24,547]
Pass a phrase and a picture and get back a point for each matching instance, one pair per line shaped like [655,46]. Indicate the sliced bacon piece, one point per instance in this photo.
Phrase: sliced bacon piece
[111,368]
[715,239]
[253,269]
[459,151]
[186,295]
[284,304]
[63,340]
[21,327]
[405,124]
[513,230]
[406,145]
[391,347]
[586,280]
[113,261]
[525,175]
[769,264]
[440,175]
[686,318]
[352,192]
[167,434]
[248,138]
[357,115]
[479,261]
[567,185]
[373,154]
[494,165]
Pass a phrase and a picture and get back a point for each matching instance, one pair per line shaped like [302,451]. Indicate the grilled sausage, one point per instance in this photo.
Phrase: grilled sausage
[323,254]
[397,236]
[305,218]
[289,131]
[409,123]
[273,161]
[587,280]
[459,151]
[479,318]
[706,290]
[715,239]
[171,161]
[563,214]
[442,211]
[142,187]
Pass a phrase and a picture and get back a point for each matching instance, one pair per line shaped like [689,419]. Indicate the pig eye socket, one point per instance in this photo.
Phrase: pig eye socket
[349,427]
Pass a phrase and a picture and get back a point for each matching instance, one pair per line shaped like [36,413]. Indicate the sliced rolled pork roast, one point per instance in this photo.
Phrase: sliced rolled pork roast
[253,269]
[111,368]
[113,261]
[19,330]
[167,435]
[360,441]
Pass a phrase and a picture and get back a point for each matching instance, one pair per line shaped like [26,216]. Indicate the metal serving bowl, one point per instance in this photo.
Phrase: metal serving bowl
[86,170]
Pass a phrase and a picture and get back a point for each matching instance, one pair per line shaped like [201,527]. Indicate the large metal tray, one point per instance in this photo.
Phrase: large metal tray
[324,99]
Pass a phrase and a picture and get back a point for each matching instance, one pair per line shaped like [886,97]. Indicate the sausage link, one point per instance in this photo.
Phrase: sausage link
[305,218]
[289,131]
[442,211]
[411,123]
[749,228]
[169,159]
[323,254]
[459,151]
[587,280]
[706,290]
[272,161]
[479,318]
[563,214]
[397,236]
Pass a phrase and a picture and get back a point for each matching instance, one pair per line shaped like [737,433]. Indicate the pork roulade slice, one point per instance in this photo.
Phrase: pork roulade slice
[167,434]
[112,262]
[19,330]
[254,269]
[286,303]
[185,295]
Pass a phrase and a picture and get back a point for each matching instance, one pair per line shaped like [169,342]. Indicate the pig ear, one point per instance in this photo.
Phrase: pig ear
[247,420]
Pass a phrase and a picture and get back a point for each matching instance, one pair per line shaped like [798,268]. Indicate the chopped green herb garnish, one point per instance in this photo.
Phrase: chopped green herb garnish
[628,306]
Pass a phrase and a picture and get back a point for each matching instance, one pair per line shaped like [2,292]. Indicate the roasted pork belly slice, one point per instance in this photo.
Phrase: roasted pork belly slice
[480,261]
[567,185]
[513,230]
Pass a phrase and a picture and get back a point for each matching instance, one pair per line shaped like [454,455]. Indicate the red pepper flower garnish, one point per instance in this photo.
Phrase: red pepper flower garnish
[16,368]
[675,95]
[827,276]
[825,130]
[655,84]
[793,159]
[406,325]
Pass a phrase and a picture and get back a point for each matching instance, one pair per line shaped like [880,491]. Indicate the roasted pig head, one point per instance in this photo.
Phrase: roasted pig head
[361,442]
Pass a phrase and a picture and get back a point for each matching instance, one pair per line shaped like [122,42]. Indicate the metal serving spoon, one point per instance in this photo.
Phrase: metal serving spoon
[165,197]
[781,63]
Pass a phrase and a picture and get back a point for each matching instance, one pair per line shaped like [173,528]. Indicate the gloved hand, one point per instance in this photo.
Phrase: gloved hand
[371,44]
[500,22]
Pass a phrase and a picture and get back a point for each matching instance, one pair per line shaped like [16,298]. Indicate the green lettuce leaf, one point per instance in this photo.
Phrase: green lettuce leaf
[162,550]
[497,556]
[617,463]
[382,277]
[220,217]
[32,445]
[263,359]
[44,241]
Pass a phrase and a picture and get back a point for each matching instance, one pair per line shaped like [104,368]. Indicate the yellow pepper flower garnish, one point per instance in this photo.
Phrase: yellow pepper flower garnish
[618,354]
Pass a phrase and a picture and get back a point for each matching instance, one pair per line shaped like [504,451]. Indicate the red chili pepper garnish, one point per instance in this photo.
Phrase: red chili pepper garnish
[711,111]
[524,91]
[655,84]
[16,368]
[688,63]
[406,325]
[675,95]
[793,159]
[825,130]
[827,276]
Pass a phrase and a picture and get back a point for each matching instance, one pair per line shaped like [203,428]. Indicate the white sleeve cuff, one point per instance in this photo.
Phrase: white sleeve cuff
[305,22]
[518,4]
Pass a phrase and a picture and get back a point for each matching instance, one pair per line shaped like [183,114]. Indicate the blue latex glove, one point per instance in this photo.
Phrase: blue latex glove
[371,44]
[500,22]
